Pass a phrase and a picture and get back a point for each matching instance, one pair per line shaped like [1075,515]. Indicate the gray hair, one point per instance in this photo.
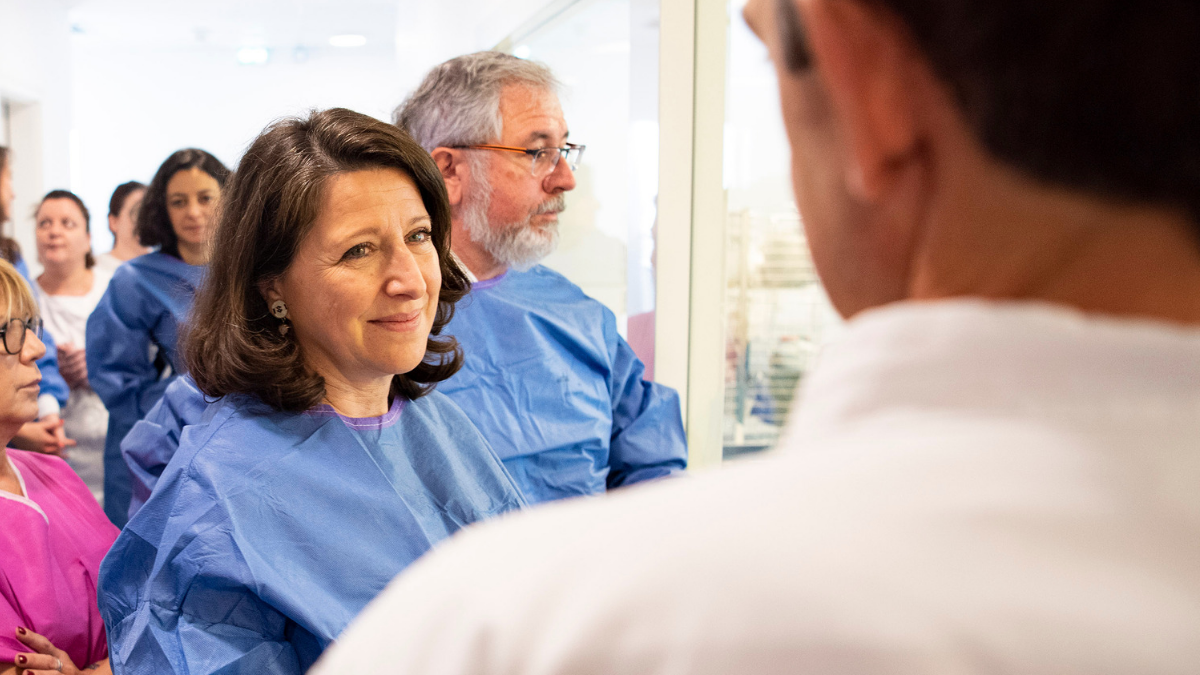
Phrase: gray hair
[458,103]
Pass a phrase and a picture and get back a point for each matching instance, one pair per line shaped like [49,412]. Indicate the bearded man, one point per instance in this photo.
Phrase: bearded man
[547,378]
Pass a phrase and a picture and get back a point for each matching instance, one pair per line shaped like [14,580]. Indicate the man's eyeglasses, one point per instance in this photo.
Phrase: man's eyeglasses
[545,160]
[13,333]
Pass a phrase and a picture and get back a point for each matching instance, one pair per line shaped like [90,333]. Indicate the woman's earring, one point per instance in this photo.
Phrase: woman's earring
[279,311]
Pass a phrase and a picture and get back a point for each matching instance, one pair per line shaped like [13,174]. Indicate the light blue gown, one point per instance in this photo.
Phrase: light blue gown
[132,353]
[557,391]
[153,440]
[269,531]
[52,380]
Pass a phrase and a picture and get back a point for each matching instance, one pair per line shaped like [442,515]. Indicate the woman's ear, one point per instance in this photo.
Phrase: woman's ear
[450,163]
[112,225]
[270,290]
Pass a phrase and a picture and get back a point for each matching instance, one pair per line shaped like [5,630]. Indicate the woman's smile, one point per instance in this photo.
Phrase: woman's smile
[399,323]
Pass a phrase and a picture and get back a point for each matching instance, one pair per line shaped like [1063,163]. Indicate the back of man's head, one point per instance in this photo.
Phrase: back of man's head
[458,103]
[1096,95]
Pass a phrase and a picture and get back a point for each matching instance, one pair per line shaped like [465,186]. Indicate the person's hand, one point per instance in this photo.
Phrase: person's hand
[45,436]
[72,365]
[45,659]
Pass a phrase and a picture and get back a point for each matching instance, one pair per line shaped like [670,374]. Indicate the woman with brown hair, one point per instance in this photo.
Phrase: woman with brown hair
[67,291]
[327,463]
[132,334]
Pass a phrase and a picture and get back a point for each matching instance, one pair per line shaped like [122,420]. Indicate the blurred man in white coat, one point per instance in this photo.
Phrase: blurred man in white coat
[996,469]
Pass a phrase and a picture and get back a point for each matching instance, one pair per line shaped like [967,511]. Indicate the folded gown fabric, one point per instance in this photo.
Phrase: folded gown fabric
[132,354]
[269,531]
[557,391]
[152,442]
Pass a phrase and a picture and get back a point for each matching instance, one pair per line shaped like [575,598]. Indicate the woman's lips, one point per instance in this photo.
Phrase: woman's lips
[399,323]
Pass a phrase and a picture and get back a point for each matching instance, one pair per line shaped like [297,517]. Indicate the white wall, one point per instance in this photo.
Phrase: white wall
[134,107]
[35,76]
[142,94]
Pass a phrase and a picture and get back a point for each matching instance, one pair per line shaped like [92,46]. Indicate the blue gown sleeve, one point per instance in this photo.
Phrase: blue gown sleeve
[648,441]
[175,594]
[118,351]
[153,440]
[52,380]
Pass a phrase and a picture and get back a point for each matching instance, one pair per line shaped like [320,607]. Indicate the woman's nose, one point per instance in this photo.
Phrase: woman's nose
[404,275]
[34,348]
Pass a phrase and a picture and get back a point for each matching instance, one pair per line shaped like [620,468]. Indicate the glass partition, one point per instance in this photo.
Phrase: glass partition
[605,52]
[776,313]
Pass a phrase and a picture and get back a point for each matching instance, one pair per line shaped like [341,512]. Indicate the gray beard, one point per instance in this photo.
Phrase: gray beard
[519,245]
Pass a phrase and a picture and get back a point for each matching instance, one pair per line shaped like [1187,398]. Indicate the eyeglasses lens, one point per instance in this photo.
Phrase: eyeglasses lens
[14,336]
[546,160]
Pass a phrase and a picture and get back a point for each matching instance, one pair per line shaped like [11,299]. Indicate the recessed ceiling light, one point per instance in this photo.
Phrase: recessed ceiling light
[348,40]
[253,56]
[522,51]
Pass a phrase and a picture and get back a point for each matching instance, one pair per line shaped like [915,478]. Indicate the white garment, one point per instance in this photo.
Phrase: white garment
[108,263]
[967,488]
[85,419]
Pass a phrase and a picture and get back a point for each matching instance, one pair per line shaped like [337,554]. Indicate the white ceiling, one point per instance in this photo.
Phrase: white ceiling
[190,24]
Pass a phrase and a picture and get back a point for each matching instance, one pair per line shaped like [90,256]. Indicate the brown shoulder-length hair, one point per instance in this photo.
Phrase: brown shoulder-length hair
[154,226]
[233,344]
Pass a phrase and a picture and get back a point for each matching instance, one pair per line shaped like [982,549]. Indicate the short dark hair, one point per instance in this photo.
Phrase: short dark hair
[233,344]
[122,193]
[88,259]
[154,223]
[1101,96]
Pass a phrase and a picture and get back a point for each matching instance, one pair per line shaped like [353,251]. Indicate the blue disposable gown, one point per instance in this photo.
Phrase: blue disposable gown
[557,391]
[269,531]
[132,355]
[52,381]
[152,442]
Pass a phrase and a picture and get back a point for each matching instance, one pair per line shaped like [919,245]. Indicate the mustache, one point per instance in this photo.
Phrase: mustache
[556,204]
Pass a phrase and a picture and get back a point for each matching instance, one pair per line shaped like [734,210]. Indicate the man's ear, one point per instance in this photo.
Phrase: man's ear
[451,163]
[868,66]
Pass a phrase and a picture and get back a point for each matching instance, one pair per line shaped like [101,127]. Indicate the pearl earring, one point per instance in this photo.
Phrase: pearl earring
[279,311]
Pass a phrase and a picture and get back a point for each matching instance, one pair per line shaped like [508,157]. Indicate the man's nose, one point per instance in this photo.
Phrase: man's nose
[561,179]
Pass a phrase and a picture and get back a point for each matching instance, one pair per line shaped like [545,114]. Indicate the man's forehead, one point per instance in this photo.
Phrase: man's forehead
[532,112]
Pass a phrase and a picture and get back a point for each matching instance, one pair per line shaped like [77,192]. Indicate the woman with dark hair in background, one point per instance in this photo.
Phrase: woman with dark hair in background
[45,434]
[132,334]
[122,222]
[328,464]
[67,291]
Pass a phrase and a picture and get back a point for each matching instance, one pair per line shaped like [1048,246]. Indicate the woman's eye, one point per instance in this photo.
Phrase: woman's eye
[420,236]
[359,251]
[178,204]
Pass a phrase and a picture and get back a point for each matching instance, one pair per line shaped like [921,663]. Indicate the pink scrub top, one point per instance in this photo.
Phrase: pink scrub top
[51,544]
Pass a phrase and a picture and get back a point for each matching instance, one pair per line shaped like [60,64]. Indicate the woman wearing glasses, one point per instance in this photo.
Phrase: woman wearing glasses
[54,535]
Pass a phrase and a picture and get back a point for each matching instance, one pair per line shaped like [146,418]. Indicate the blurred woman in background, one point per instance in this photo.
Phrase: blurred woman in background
[45,434]
[122,214]
[131,336]
[54,535]
[67,291]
